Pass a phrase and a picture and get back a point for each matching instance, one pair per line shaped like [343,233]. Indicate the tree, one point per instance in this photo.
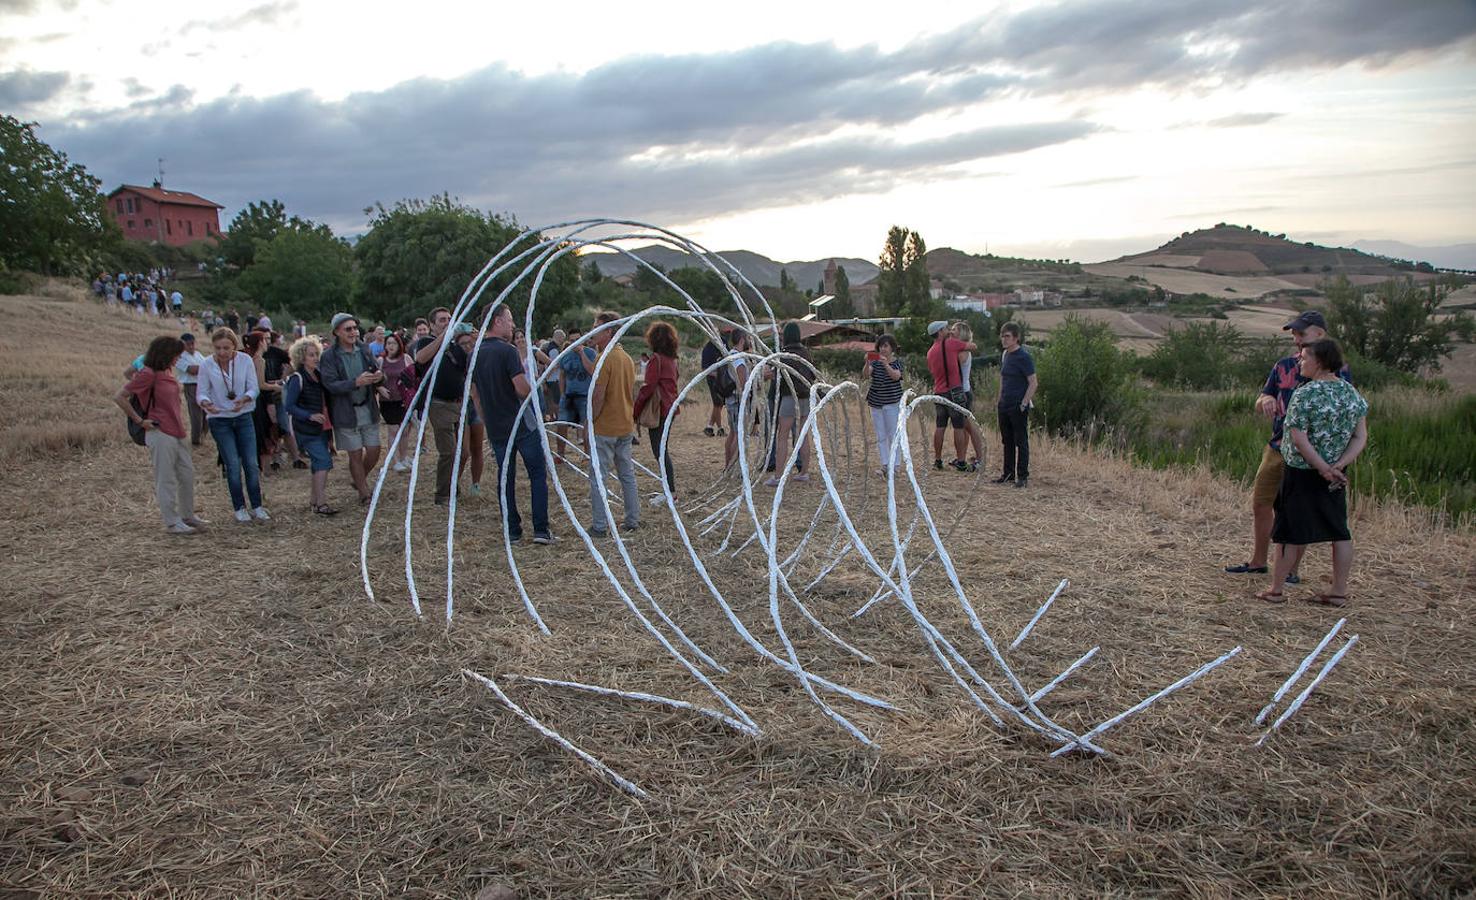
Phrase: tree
[1397,326]
[918,286]
[420,254]
[842,307]
[592,274]
[306,272]
[904,283]
[785,282]
[52,214]
[257,225]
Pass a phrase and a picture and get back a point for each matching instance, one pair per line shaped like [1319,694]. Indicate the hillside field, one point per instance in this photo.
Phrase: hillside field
[227,714]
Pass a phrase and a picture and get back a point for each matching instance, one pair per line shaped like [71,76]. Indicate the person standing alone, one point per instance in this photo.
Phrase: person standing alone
[1017,385]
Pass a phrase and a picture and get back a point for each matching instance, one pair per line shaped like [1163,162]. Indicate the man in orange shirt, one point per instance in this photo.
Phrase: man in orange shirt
[612,418]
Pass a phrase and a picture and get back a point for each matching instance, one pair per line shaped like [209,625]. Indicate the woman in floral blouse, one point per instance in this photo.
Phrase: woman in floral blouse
[1326,429]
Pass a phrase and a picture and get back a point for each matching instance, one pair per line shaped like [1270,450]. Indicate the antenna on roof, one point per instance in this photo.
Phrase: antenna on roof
[159,182]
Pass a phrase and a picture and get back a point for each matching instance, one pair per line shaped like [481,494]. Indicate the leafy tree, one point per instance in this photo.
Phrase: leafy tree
[306,272]
[1397,326]
[917,290]
[842,307]
[1086,383]
[592,274]
[52,214]
[420,254]
[785,282]
[257,225]
[1199,356]
[903,283]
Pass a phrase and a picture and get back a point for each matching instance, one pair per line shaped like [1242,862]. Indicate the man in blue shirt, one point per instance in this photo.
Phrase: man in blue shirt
[1016,395]
[574,378]
[501,384]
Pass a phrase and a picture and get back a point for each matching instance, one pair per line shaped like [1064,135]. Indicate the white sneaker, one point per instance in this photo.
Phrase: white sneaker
[401,466]
[196,522]
[180,528]
[261,514]
[243,516]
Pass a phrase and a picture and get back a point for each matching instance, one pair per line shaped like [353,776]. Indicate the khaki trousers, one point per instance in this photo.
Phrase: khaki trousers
[197,415]
[445,416]
[174,476]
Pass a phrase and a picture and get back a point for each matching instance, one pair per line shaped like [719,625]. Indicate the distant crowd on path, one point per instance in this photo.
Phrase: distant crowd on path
[142,293]
[266,404]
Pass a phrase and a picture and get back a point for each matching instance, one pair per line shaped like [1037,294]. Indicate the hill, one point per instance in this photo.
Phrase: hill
[1452,256]
[756,267]
[987,272]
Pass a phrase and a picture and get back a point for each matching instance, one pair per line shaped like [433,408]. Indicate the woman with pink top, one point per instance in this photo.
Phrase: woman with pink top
[158,414]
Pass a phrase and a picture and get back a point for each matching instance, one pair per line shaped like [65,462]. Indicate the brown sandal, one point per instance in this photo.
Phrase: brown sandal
[324,509]
[1337,601]
[1271,596]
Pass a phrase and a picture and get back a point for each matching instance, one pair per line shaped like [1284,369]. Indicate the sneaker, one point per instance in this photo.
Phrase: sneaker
[1293,578]
[517,537]
[261,514]
[938,464]
[803,476]
[475,490]
[196,522]
[973,463]
[1021,482]
[599,533]
[1246,568]
[543,537]
[959,465]
[708,431]
[243,516]
[631,527]
[772,482]
[180,528]
[401,466]
[722,432]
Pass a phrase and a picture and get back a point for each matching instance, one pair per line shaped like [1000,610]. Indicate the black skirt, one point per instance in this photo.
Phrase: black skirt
[392,411]
[1307,512]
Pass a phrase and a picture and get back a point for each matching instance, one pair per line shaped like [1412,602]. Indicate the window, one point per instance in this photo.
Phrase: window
[191,227]
[168,227]
[120,206]
[148,223]
[130,204]
[130,225]
[209,229]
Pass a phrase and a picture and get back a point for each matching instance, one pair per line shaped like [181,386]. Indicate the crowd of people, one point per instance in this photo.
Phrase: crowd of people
[142,293]
[266,403]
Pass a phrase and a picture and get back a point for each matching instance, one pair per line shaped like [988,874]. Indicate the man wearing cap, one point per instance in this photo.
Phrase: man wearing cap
[948,383]
[349,375]
[1285,378]
[187,373]
[444,409]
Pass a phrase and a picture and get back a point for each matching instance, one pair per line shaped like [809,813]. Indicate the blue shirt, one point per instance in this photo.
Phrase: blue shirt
[497,365]
[576,380]
[1015,369]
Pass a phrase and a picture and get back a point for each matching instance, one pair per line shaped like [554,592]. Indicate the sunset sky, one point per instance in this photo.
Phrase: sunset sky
[798,130]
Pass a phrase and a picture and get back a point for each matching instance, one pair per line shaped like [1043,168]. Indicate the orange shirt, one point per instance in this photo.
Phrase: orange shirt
[617,416]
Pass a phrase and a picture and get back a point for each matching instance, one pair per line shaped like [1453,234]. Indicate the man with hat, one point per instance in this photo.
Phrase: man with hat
[1285,378]
[349,375]
[948,383]
[187,373]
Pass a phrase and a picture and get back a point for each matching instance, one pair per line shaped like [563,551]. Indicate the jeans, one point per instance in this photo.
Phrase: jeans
[235,438]
[665,462]
[527,445]
[1016,438]
[884,420]
[614,453]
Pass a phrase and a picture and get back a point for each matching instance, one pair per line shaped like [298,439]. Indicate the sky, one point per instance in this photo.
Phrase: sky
[1084,129]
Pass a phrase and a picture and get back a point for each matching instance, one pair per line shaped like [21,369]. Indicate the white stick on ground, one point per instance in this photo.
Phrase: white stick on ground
[644,697]
[1055,682]
[620,781]
[1040,612]
[1286,685]
[1307,691]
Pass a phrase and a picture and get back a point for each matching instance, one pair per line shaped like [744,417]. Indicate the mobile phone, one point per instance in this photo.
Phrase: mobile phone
[872,356]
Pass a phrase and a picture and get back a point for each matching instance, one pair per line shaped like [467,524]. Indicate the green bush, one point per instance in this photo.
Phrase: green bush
[14,281]
[1087,385]
[839,364]
[1197,356]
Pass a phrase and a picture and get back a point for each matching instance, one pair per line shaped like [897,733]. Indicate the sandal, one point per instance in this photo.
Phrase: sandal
[1337,601]
[324,509]
[1246,568]
[1271,596]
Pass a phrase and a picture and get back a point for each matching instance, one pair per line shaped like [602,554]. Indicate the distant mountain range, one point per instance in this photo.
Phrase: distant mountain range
[1452,256]
[756,267]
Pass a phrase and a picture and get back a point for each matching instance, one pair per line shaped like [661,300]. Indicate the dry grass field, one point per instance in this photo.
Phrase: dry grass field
[227,715]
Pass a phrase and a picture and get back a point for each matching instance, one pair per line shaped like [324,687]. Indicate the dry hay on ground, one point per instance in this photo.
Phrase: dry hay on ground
[226,715]
[1232,262]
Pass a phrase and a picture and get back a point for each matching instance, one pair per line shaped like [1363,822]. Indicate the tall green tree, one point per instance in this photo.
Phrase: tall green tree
[891,294]
[307,272]
[52,213]
[1396,326]
[842,307]
[917,283]
[420,254]
[257,225]
[785,282]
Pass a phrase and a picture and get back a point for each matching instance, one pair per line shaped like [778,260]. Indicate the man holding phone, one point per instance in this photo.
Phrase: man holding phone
[350,375]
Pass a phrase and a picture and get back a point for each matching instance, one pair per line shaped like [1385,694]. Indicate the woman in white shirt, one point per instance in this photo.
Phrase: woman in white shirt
[227,392]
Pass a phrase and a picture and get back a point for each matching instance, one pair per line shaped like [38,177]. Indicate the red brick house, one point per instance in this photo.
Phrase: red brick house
[168,217]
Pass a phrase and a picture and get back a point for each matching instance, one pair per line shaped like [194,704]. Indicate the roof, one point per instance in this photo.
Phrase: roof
[159,195]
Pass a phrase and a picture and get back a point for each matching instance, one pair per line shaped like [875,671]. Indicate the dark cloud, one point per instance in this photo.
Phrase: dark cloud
[265,14]
[688,136]
[1241,120]
[23,87]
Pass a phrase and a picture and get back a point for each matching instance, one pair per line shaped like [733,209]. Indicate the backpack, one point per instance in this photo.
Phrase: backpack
[136,431]
[724,382]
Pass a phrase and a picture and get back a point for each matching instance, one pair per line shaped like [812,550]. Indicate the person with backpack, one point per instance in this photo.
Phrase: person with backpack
[792,379]
[658,392]
[352,378]
[574,376]
[730,381]
[151,402]
[306,401]
[711,353]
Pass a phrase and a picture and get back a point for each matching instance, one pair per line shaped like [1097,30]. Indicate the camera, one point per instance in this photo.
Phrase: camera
[230,395]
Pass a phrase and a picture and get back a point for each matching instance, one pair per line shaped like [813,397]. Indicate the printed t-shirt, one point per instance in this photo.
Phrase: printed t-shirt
[1286,377]
[1328,411]
[616,418]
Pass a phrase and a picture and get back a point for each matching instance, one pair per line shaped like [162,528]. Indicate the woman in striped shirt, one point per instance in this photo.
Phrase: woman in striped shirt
[884,396]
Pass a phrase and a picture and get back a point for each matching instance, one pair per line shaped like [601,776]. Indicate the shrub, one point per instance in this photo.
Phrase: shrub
[1199,356]
[1086,383]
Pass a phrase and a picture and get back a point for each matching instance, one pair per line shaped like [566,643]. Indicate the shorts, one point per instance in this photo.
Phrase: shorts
[789,405]
[316,447]
[732,404]
[1268,477]
[712,391]
[471,414]
[393,411]
[571,408]
[351,439]
[943,416]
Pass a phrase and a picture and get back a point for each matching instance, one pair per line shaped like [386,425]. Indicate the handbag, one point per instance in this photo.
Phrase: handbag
[136,431]
[650,416]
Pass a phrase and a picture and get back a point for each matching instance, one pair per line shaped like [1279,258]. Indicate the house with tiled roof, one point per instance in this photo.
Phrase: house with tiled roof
[155,215]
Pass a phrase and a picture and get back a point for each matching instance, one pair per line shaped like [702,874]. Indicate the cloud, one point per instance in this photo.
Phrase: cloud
[683,137]
[1241,120]
[24,87]
[1093,182]
[265,14]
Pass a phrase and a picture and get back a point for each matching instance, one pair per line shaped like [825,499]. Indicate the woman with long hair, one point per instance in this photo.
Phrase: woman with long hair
[659,386]
[307,403]
[963,332]
[256,344]
[158,393]
[884,397]
[396,392]
[228,390]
